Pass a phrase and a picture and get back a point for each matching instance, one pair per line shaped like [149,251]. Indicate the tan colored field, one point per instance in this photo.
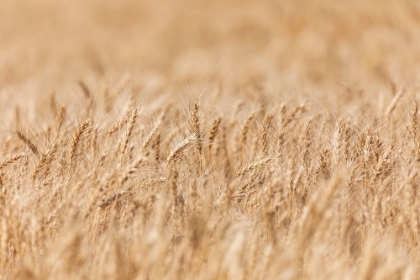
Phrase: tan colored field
[209,139]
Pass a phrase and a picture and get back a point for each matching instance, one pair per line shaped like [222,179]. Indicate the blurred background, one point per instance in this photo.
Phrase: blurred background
[323,43]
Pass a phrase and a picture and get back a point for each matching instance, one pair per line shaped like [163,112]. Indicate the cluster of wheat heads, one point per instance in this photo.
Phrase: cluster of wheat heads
[196,190]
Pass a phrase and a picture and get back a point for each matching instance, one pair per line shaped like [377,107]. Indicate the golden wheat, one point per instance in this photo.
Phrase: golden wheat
[139,141]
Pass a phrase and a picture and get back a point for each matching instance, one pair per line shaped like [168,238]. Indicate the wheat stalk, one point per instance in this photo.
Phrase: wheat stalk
[28,142]
[77,139]
[176,152]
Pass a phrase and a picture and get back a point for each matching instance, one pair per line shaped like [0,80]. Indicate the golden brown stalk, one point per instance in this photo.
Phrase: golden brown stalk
[46,160]
[269,217]
[77,139]
[107,202]
[174,187]
[11,159]
[325,165]
[156,147]
[246,128]
[85,89]
[213,132]
[346,141]
[252,152]
[244,134]
[150,137]
[128,133]
[307,140]
[337,142]
[280,142]
[130,170]
[351,189]
[94,142]
[266,127]
[28,142]
[414,121]
[222,145]
[196,130]
[394,102]
[253,166]
[384,165]
[126,116]
[60,118]
[155,132]
[293,115]
[176,152]
[283,111]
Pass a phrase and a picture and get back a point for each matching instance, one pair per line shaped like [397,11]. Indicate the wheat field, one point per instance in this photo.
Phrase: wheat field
[218,139]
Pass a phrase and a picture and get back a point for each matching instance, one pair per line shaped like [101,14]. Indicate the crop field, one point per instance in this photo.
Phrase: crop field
[197,139]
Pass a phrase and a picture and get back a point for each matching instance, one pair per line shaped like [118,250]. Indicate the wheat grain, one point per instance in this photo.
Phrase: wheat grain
[394,102]
[11,159]
[214,131]
[128,133]
[27,142]
[176,152]
[77,138]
